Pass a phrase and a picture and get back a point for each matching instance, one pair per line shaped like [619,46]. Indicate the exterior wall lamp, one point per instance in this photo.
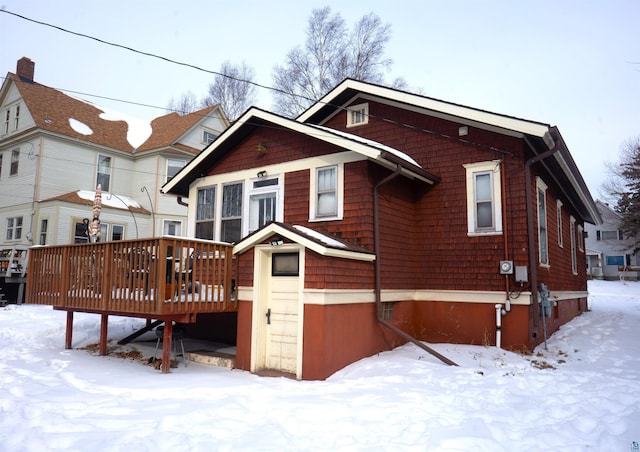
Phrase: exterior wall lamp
[261,174]
[261,147]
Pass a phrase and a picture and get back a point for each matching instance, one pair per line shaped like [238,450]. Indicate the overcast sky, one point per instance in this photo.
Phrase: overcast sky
[573,64]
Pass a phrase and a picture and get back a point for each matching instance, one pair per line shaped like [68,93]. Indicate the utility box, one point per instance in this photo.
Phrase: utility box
[522,275]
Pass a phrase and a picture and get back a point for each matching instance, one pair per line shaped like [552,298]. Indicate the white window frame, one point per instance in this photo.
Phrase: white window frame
[178,163]
[16,117]
[472,170]
[357,115]
[559,215]
[14,228]
[212,218]
[254,193]
[107,174]
[176,223]
[314,194]
[14,167]
[7,119]
[208,137]
[44,231]
[240,217]
[113,228]
[574,259]
[543,226]
[580,238]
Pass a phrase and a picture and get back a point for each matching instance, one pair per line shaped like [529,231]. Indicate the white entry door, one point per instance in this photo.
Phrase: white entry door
[281,347]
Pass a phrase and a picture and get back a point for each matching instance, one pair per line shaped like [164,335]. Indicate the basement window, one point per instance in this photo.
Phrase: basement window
[387,310]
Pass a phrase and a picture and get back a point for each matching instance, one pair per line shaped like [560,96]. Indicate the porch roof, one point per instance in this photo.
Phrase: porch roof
[319,242]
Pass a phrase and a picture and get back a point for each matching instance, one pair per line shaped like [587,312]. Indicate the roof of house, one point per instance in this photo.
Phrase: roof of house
[56,112]
[255,117]
[109,200]
[321,243]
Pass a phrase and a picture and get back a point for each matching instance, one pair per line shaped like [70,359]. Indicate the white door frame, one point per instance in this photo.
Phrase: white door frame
[262,284]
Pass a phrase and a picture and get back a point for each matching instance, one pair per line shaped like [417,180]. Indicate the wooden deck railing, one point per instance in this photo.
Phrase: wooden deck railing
[157,277]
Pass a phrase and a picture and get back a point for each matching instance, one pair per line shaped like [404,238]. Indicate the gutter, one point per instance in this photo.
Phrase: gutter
[533,264]
[378,289]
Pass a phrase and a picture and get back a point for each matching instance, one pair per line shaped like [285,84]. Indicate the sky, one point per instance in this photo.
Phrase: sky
[574,64]
[578,394]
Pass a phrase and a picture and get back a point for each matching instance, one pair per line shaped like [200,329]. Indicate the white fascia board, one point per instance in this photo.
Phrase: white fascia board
[434,105]
[273,228]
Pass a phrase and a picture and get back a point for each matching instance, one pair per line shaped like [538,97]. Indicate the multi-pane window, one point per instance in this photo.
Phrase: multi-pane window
[14,228]
[117,232]
[326,191]
[44,226]
[231,218]
[16,118]
[205,213]
[80,233]
[172,227]
[357,115]
[15,161]
[208,137]
[1,164]
[7,119]
[262,210]
[543,237]
[559,216]
[484,210]
[104,172]
[173,166]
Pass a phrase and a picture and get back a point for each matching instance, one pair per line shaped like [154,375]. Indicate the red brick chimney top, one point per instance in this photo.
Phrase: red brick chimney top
[25,69]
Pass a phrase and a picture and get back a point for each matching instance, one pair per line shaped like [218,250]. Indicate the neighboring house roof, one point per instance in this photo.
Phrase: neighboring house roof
[109,200]
[168,129]
[322,244]
[541,136]
[255,117]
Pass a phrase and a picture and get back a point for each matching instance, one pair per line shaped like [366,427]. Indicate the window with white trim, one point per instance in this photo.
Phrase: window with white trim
[16,118]
[264,203]
[1,154]
[117,232]
[357,115]
[14,228]
[484,202]
[580,237]
[231,217]
[205,213]
[543,236]
[80,232]
[44,226]
[15,161]
[173,166]
[208,137]
[7,118]
[172,227]
[559,216]
[572,231]
[103,172]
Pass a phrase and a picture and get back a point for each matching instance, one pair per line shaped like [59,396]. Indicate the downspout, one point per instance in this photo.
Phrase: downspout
[533,265]
[378,281]
[181,202]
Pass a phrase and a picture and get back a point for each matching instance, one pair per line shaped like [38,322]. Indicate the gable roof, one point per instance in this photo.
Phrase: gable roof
[316,241]
[541,137]
[168,129]
[255,117]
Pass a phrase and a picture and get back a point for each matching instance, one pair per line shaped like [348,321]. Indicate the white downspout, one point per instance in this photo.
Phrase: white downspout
[498,325]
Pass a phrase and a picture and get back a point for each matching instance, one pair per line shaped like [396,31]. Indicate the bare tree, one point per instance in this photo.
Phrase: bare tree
[329,55]
[185,104]
[233,89]
[624,185]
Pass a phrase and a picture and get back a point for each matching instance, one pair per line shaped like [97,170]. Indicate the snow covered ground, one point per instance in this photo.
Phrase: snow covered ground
[583,393]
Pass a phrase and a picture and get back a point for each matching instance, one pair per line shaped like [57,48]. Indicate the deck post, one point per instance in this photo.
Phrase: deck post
[166,346]
[104,327]
[69,331]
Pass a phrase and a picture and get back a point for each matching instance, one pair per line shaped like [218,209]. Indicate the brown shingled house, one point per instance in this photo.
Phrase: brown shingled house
[55,149]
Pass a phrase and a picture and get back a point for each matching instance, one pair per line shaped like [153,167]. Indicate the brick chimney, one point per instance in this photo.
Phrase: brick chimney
[25,69]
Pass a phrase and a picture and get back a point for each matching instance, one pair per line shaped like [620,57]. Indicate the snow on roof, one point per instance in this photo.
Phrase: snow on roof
[111,200]
[320,237]
[371,143]
[138,130]
[80,127]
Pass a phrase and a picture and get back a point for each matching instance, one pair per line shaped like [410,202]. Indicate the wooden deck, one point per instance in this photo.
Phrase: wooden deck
[168,278]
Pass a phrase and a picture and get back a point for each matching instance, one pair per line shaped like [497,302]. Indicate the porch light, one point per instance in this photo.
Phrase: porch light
[261,147]
[261,174]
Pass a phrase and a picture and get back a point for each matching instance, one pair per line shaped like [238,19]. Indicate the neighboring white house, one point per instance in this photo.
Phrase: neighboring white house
[608,249]
[55,149]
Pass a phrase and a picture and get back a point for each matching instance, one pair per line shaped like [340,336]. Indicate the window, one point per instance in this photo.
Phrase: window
[264,203]
[44,225]
[387,310]
[231,218]
[615,260]
[357,115]
[104,172]
[285,264]
[609,235]
[173,166]
[15,160]
[80,233]
[208,137]
[326,192]
[572,231]
[205,213]
[559,215]
[484,208]
[580,238]
[543,238]
[7,117]
[1,164]
[14,228]
[17,118]
[117,232]
[172,227]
